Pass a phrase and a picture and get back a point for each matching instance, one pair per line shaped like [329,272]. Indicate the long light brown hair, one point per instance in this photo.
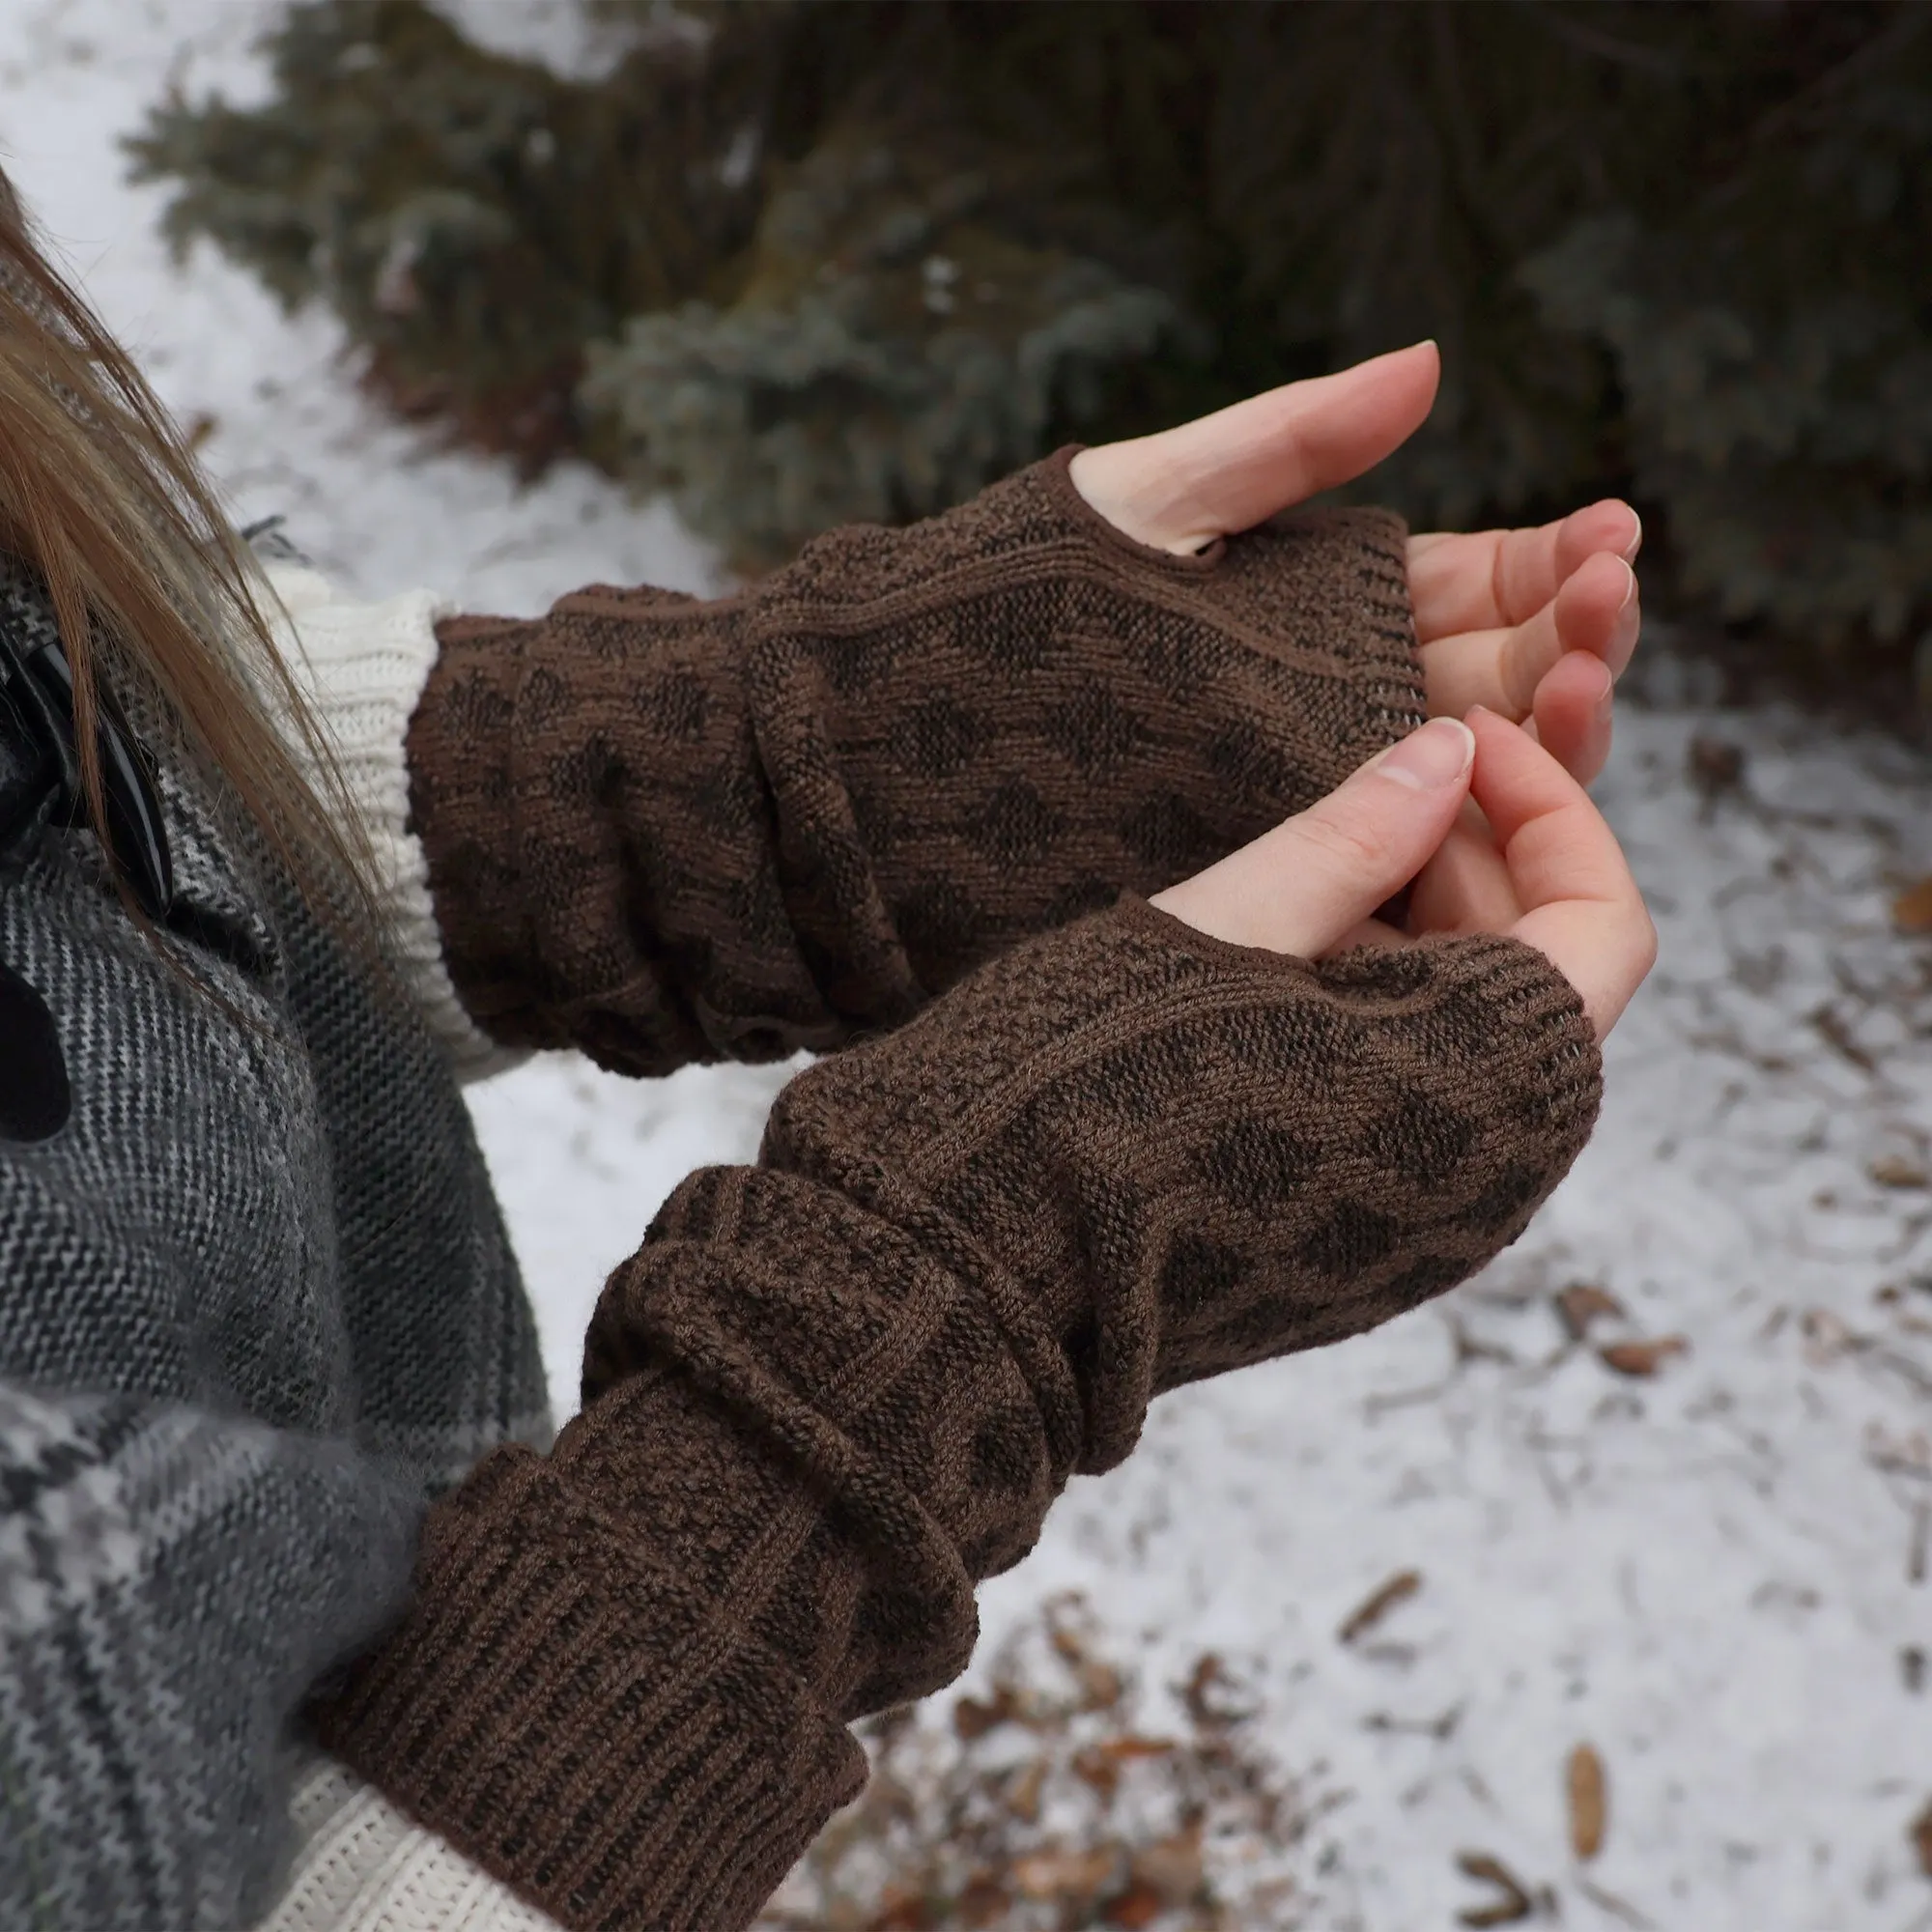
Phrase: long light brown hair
[149,582]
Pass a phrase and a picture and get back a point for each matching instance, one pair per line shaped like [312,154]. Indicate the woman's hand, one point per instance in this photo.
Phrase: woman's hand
[1536,863]
[1533,624]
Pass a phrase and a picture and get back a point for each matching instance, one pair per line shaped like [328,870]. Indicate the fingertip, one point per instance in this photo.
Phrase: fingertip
[1427,355]
[1609,527]
[1411,375]
[1592,677]
[1573,712]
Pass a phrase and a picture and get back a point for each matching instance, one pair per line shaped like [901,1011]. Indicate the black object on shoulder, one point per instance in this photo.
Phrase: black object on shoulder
[35,1096]
[41,787]
[39,768]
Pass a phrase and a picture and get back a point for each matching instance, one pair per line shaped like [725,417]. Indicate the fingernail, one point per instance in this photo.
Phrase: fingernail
[1630,589]
[1426,761]
[1635,543]
[1607,694]
[1624,631]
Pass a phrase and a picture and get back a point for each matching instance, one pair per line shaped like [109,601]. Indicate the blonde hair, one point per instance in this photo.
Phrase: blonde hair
[102,496]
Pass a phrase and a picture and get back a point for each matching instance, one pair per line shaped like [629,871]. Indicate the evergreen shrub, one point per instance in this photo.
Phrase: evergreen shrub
[802,261]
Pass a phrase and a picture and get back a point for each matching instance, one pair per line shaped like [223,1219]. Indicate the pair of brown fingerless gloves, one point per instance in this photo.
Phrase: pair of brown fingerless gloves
[833,1390]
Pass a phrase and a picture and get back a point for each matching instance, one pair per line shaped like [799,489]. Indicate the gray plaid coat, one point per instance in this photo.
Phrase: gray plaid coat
[256,1304]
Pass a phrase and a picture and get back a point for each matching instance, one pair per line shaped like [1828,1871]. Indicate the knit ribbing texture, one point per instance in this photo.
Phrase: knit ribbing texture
[834,1391]
[665,830]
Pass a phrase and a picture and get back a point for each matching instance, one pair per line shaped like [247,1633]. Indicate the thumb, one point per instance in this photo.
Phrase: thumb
[1219,475]
[1313,879]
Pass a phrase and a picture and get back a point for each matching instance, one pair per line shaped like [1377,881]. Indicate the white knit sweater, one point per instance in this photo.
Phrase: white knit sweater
[362,1867]
[360,1864]
[363,667]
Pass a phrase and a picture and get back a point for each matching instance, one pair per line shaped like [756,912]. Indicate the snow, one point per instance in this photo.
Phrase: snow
[1713,1575]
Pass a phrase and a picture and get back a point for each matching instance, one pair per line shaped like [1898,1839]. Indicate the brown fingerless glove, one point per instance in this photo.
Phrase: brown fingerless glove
[834,1391]
[664,830]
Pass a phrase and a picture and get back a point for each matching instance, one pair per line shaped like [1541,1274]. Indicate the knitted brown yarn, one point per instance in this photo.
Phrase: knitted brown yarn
[832,1391]
[665,830]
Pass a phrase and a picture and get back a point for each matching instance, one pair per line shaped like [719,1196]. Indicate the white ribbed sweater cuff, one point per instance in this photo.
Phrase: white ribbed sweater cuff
[363,667]
[362,1867]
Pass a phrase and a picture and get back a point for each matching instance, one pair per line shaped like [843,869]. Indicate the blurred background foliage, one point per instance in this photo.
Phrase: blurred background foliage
[798,261]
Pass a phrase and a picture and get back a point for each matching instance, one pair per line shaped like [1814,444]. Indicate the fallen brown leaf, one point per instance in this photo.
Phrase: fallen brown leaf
[1022,1793]
[900,1912]
[1378,1604]
[1588,1802]
[1208,1711]
[1100,1765]
[1170,1867]
[1510,1909]
[1067,1644]
[1139,1905]
[1920,1833]
[1641,1358]
[1894,1170]
[1101,1687]
[1715,766]
[1071,1875]
[1133,1744]
[1912,909]
[1580,1303]
[972,1717]
[1826,1336]
[984,1901]
[1098,1771]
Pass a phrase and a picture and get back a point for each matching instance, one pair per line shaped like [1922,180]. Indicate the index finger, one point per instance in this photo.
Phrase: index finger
[1493,578]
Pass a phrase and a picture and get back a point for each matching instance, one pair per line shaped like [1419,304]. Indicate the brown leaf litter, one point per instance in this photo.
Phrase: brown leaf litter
[1047,1806]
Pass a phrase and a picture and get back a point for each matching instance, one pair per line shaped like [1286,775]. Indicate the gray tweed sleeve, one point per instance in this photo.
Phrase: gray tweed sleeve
[171,1585]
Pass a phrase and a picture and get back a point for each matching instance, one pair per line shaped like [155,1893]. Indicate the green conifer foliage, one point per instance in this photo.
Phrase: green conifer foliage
[474,220]
[800,260]
[893,345]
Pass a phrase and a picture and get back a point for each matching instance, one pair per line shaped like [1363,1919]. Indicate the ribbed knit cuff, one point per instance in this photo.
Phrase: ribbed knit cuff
[611,1743]
[364,667]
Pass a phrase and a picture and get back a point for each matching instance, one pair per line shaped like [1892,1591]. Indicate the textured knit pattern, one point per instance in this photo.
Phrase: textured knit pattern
[362,667]
[258,1303]
[363,1866]
[834,1391]
[664,830]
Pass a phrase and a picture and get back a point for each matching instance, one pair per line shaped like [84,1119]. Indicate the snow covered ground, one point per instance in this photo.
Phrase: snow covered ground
[1715,1574]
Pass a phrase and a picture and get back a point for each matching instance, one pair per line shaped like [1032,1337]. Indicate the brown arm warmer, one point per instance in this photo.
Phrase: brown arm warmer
[832,1391]
[663,829]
